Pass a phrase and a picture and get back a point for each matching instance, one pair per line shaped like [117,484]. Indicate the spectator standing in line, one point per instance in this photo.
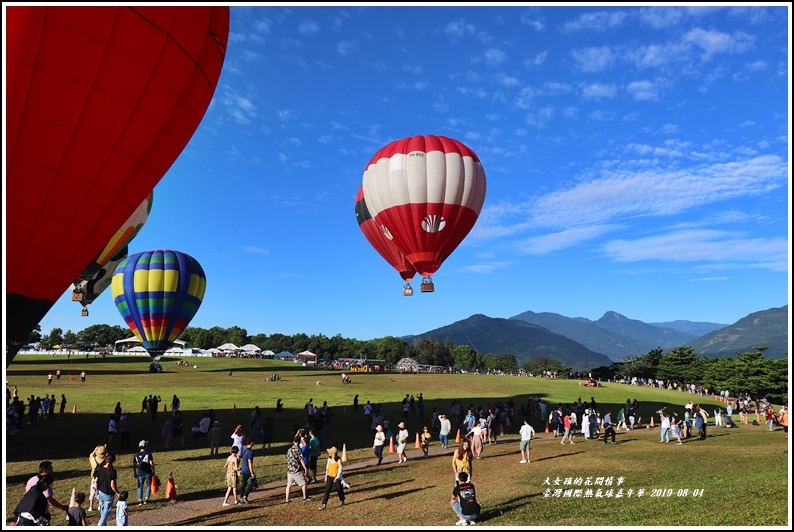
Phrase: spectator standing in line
[566,423]
[215,438]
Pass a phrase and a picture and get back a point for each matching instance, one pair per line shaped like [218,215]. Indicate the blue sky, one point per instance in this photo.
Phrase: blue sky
[637,161]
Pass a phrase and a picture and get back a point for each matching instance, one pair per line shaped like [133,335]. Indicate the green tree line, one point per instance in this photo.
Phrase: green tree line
[750,373]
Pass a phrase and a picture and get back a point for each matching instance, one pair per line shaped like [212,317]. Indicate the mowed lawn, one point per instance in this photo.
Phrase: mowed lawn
[737,477]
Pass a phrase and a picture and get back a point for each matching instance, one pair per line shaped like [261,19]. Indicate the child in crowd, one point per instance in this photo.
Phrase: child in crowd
[424,441]
[76,513]
[122,516]
[93,496]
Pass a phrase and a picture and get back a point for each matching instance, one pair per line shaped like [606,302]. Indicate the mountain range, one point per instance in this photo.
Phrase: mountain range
[581,343]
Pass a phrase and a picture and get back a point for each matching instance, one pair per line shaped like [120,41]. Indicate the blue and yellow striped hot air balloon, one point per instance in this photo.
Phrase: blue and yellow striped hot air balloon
[158,293]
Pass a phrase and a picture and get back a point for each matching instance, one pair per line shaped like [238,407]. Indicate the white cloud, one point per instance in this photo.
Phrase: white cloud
[596,22]
[698,245]
[308,27]
[598,91]
[494,57]
[642,90]
[255,250]
[715,42]
[593,59]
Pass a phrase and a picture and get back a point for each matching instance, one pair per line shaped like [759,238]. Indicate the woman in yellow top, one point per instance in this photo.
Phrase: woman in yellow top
[462,460]
[333,477]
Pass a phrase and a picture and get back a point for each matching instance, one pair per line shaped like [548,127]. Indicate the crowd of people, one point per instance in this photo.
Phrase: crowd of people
[473,428]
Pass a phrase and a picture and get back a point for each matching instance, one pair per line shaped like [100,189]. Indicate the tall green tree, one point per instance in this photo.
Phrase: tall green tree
[682,365]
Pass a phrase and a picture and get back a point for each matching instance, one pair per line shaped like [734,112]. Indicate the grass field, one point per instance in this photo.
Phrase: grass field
[737,477]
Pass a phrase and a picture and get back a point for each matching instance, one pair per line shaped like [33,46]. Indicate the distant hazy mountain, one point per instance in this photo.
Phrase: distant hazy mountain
[663,337]
[524,340]
[584,344]
[698,328]
[589,333]
[764,328]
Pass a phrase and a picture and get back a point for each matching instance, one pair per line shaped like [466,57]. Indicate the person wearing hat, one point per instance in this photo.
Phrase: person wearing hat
[333,477]
[380,441]
[97,457]
[402,441]
[143,469]
[444,430]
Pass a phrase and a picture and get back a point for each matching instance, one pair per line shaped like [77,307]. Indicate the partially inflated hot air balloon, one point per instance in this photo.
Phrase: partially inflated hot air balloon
[158,293]
[100,101]
[425,194]
[96,277]
[382,244]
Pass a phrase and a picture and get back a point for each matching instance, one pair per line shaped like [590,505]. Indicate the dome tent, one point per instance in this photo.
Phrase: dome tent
[407,364]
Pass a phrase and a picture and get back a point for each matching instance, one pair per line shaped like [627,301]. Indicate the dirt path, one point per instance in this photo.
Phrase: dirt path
[186,512]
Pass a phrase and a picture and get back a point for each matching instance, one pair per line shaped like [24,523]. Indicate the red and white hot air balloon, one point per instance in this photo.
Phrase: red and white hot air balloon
[425,194]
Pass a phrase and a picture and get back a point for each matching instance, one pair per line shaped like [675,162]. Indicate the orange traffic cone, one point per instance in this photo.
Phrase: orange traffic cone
[234,409]
[344,412]
[547,428]
[757,417]
[457,437]
[651,421]
[165,409]
[74,409]
[639,423]
[418,445]
[344,453]
[391,445]
[170,487]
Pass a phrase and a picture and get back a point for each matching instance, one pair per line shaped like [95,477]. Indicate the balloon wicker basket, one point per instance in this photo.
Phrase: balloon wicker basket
[428,286]
[408,290]
[84,312]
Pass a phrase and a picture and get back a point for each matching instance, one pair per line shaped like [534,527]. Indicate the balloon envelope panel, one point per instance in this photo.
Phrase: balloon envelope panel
[381,242]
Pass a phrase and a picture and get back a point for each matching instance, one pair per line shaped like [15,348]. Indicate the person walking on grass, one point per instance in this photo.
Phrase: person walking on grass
[462,460]
[247,469]
[402,441]
[526,431]
[232,468]
[378,443]
[297,470]
[609,429]
[664,433]
[333,478]
[566,423]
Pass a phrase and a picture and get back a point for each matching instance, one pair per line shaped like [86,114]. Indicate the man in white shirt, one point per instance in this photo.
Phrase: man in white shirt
[526,431]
